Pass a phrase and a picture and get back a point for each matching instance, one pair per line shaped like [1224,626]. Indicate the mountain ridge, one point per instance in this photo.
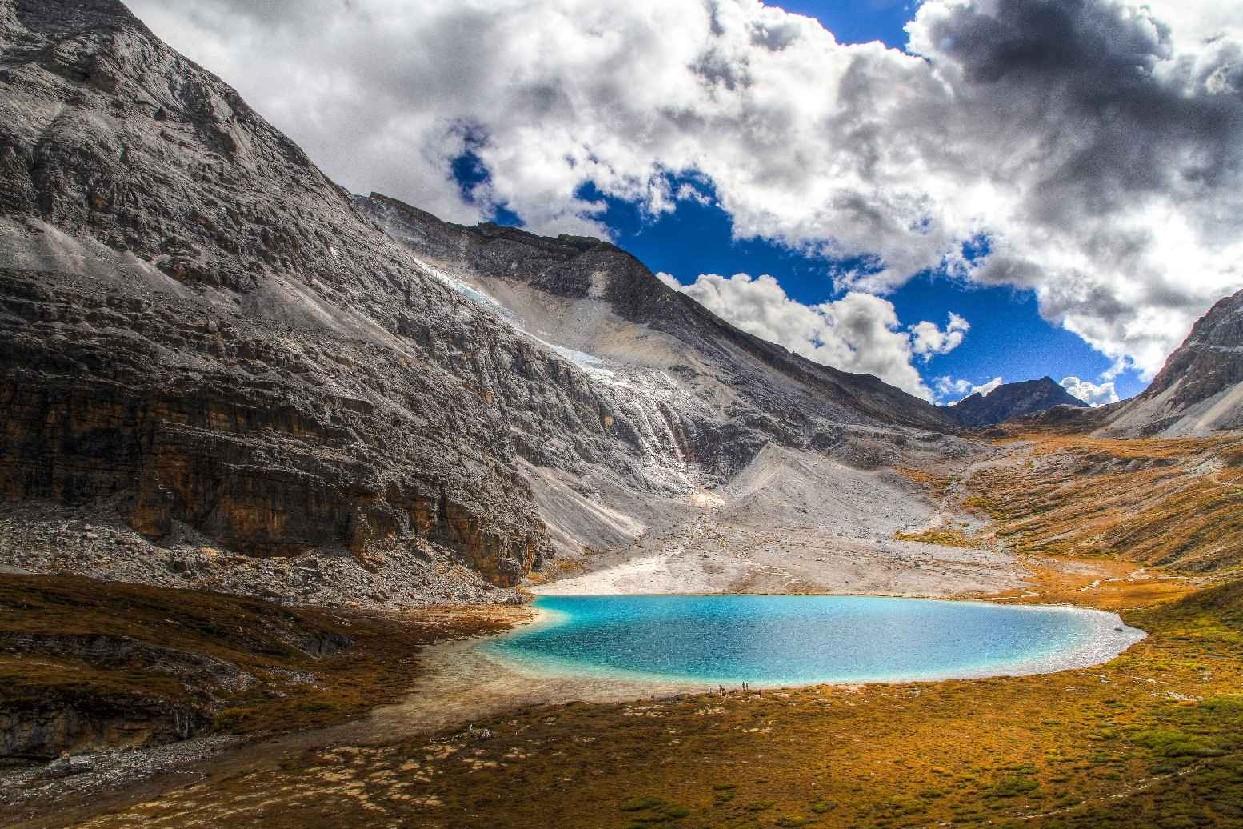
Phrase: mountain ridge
[641,298]
[236,374]
[1199,388]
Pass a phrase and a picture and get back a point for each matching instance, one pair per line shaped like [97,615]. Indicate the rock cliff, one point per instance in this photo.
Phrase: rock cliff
[1200,387]
[197,324]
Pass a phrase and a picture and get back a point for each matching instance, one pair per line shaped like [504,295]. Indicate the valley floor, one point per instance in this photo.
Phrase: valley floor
[1153,738]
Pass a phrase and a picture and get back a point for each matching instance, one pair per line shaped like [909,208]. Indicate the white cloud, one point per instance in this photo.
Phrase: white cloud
[958,389]
[670,280]
[1109,180]
[1094,394]
[858,333]
[927,340]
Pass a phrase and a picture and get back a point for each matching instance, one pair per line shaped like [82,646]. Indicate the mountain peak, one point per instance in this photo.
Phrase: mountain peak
[61,19]
[1200,387]
[1012,400]
[269,366]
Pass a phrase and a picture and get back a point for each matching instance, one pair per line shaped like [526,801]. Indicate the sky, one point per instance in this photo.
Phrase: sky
[947,194]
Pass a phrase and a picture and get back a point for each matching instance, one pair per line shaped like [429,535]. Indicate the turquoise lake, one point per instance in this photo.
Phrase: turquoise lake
[793,640]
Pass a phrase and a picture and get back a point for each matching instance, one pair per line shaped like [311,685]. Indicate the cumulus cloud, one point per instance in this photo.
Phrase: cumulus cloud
[670,280]
[858,333]
[1094,394]
[1123,125]
[927,340]
[956,389]
[1096,144]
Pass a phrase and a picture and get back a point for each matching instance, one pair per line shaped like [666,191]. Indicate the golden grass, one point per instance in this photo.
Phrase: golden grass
[935,482]
[1108,584]
[1173,503]
[945,536]
[1152,739]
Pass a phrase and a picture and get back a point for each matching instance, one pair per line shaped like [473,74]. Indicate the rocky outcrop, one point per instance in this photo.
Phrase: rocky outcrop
[85,664]
[45,728]
[1011,401]
[1200,388]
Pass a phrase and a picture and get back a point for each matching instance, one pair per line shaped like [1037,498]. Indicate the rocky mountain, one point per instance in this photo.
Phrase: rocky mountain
[1012,400]
[592,298]
[1200,387]
[688,392]
[198,325]
[221,369]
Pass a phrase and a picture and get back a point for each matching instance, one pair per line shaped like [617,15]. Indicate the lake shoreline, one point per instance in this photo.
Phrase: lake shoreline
[827,747]
[1109,637]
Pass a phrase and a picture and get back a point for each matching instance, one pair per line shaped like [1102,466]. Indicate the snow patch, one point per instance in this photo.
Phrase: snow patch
[475,295]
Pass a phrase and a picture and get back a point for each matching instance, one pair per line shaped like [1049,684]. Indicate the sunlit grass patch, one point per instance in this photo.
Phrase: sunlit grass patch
[1177,503]
[944,536]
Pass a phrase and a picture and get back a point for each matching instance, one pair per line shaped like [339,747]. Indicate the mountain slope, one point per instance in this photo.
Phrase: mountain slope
[1200,387]
[723,394]
[209,349]
[1012,400]
[599,301]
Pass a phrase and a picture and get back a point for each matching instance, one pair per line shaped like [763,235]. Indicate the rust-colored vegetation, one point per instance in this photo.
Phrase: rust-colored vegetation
[936,483]
[945,536]
[1174,503]
[1153,739]
[115,652]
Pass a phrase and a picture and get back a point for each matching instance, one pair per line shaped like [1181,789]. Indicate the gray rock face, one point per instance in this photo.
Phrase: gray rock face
[1013,400]
[205,339]
[585,295]
[690,398]
[194,317]
[1200,388]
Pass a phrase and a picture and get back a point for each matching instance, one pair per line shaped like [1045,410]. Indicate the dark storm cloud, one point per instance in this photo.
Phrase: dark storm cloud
[1085,72]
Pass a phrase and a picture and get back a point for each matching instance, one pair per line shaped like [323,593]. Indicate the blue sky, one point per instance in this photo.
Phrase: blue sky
[859,21]
[1008,337]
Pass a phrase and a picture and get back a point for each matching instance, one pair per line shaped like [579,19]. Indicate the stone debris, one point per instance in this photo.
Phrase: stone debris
[103,771]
